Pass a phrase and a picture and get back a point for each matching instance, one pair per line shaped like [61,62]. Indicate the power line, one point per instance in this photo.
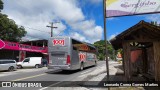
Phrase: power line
[37,29]
[59,33]
[41,31]
[34,29]
[31,36]
[34,37]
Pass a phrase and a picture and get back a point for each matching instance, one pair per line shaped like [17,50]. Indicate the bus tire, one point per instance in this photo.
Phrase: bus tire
[82,66]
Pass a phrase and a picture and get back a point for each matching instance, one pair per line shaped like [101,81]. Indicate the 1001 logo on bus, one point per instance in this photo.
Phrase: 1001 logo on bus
[82,56]
[58,42]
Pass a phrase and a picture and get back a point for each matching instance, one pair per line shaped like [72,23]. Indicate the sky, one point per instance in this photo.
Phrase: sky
[80,19]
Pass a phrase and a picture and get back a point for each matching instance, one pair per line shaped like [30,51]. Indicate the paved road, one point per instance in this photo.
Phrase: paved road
[43,74]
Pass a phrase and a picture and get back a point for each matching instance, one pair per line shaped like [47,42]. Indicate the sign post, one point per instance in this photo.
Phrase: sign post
[105,39]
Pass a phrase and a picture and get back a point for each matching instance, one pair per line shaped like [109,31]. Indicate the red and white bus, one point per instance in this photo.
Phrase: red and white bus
[67,53]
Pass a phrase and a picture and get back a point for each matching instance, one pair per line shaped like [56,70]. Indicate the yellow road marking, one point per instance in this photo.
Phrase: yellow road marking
[29,77]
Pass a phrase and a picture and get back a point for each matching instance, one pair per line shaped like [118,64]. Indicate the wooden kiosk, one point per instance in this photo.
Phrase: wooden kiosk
[141,50]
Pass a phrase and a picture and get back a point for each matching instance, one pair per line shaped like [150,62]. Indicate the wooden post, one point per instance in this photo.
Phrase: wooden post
[127,63]
[123,61]
[145,60]
[156,47]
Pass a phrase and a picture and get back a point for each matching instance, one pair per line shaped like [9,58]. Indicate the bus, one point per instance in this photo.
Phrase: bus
[66,53]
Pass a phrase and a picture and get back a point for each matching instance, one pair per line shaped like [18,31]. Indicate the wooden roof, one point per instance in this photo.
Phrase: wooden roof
[139,32]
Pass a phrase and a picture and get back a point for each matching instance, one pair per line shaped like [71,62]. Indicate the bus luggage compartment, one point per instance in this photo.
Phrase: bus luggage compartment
[60,60]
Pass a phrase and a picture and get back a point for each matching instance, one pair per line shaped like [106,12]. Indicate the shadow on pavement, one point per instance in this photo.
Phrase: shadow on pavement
[67,72]
[7,71]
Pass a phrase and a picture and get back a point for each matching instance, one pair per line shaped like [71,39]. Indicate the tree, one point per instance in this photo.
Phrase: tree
[1,5]
[100,45]
[9,30]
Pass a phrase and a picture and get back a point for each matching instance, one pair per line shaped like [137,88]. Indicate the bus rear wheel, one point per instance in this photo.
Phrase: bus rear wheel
[82,66]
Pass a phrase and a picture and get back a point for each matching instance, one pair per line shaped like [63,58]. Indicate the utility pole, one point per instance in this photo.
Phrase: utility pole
[52,27]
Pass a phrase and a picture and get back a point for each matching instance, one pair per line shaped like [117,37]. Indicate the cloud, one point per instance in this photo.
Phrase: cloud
[78,36]
[33,14]
[67,10]
[89,30]
[154,17]
[38,13]
[112,36]
[112,18]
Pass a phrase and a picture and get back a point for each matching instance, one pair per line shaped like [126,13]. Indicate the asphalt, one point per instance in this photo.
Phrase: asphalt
[54,77]
[43,74]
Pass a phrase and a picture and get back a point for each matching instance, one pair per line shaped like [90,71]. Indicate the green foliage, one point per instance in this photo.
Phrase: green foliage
[9,30]
[100,45]
[120,50]
[1,5]
[154,23]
